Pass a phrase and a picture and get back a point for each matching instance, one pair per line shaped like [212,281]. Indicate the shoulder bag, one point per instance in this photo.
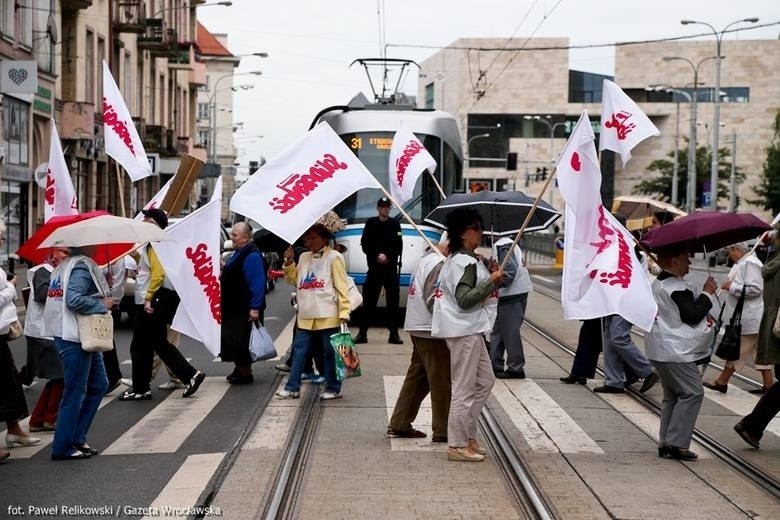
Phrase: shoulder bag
[729,347]
[96,331]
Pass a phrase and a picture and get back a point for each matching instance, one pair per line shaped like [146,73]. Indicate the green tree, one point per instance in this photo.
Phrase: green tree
[661,182]
[768,188]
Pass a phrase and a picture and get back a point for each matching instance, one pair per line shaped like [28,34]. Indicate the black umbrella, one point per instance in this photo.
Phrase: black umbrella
[503,212]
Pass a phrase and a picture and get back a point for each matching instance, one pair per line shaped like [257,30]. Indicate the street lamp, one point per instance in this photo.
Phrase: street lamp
[213,112]
[468,144]
[691,202]
[716,106]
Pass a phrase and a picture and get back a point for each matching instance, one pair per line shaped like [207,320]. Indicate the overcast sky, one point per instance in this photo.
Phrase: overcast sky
[312,42]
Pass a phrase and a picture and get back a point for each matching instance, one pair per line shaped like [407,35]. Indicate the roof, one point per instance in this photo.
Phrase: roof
[208,43]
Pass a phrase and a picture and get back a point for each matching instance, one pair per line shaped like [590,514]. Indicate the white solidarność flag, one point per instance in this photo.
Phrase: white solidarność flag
[295,188]
[623,124]
[408,159]
[59,195]
[122,140]
[601,273]
[191,261]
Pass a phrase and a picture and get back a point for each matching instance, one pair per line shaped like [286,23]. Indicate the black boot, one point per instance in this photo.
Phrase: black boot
[394,338]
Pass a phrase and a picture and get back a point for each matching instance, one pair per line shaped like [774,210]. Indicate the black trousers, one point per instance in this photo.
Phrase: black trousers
[766,409]
[150,335]
[378,277]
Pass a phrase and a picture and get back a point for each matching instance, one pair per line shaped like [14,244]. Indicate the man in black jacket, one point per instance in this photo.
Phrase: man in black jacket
[382,243]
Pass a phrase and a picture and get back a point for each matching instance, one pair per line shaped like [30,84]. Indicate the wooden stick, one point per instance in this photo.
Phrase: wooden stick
[121,189]
[443,196]
[409,219]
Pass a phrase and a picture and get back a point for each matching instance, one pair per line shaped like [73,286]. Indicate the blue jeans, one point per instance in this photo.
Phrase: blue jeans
[85,385]
[300,347]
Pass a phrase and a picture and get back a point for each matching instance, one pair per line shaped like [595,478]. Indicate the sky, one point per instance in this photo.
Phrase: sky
[311,43]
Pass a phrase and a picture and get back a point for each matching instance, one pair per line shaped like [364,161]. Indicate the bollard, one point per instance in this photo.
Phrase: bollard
[558,254]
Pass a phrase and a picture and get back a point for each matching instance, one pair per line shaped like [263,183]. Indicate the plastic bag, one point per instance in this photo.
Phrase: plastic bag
[347,360]
[261,346]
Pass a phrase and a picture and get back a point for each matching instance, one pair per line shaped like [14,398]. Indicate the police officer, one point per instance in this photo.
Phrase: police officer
[382,243]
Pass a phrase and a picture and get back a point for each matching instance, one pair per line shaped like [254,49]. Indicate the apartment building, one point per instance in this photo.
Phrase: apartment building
[150,46]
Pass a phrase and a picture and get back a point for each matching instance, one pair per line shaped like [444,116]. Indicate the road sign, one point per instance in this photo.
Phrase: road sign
[154,162]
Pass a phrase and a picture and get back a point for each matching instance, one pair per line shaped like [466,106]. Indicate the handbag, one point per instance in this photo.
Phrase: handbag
[729,347]
[261,346]
[355,298]
[96,332]
[347,359]
[8,318]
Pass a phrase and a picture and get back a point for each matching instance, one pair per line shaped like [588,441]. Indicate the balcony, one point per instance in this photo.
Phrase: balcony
[129,16]
[78,120]
[154,138]
[157,39]
[140,126]
[75,5]
[181,55]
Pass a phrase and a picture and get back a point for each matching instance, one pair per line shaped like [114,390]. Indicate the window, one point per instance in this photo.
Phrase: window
[429,95]
[203,138]
[101,55]
[42,43]
[16,126]
[203,111]
[89,67]
[7,19]
[128,81]
[585,87]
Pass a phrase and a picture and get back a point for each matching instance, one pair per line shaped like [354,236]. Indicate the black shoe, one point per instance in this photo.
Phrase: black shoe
[649,382]
[716,386]
[630,380]
[748,437]
[83,448]
[129,395]
[361,338]
[76,455]
[242,380]
[608,390]
[570,380]
[758,391]
[194,384]
[395,339]
[679,453]
[234,374]
[439,438]
[26,376]
[511,374]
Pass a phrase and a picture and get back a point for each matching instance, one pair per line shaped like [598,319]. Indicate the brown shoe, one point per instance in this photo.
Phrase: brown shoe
[463,455]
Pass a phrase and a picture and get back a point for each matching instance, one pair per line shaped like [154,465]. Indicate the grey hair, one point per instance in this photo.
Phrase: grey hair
[243,228]
[742,246]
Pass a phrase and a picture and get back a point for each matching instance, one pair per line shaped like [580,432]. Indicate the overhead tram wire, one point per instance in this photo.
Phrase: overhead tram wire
[509,39]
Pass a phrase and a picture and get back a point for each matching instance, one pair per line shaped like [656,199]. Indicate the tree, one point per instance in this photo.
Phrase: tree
[662,184]
[768,188]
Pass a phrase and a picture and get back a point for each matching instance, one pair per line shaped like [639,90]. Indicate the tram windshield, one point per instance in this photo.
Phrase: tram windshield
[373,149]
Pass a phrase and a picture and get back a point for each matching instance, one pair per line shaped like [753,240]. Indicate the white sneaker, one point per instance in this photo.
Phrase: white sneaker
[126,381]
[327,396]
[286,394]
[172,385]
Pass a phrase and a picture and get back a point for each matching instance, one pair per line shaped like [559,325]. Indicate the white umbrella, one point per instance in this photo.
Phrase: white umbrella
[105,229]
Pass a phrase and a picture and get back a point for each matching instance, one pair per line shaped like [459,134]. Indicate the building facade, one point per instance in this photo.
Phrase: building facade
[151,51]
[516,108]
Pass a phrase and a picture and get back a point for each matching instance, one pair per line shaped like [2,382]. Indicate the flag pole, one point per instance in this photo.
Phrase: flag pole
[121,189]
[529,216]
[433,178]
[409,219]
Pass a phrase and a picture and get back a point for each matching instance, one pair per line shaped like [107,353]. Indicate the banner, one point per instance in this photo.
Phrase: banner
[291,191]
[192,263]
[601,273]
[408,159]
[122,140]
[59,195]
[623,124]
[18,76]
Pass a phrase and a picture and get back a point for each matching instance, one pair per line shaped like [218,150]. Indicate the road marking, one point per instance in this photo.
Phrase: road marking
[283,341]
[164,429]
[740,402]
[544,279]
[423,421]
[564,432]
[182,491]
[534,435]
[642,418]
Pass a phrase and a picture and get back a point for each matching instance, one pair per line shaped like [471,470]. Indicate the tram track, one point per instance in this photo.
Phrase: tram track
[763,479]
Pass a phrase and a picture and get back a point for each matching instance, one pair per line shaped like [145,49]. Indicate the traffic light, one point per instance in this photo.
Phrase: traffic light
[511,161]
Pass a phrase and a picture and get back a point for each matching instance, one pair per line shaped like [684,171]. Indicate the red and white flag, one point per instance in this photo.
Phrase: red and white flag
[623,124]
[295,188]
[408,159]
[59,195]
[122,140]
[191,261]
[601,273]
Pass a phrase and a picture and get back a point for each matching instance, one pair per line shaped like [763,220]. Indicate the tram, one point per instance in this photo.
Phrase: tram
[369,131]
